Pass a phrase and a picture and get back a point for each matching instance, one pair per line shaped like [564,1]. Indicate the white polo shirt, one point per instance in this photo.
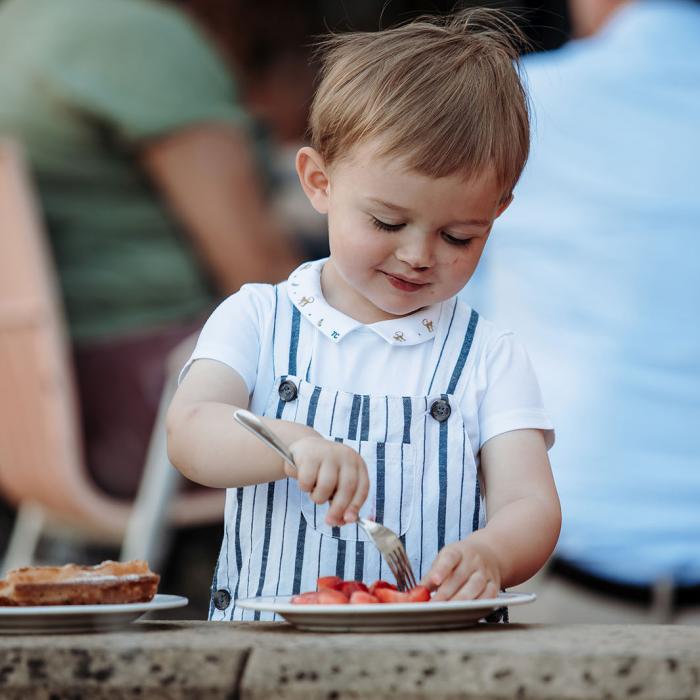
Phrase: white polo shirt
[391,358]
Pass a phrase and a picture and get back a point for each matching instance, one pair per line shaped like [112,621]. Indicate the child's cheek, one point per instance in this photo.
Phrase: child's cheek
[451,258]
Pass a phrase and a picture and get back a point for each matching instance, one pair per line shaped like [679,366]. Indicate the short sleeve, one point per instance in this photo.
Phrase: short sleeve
[232,334]
[142,68]
[512,400]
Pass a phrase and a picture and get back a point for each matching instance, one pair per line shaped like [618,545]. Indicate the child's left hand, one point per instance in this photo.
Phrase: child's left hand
[463,571]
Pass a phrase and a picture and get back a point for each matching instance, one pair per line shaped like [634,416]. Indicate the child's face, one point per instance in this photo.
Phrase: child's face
[399,240]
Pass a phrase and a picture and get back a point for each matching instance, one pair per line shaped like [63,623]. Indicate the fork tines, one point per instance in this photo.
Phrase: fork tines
[401,568]
[393,552]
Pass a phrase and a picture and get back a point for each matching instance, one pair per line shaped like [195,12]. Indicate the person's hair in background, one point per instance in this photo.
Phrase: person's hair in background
[425,92]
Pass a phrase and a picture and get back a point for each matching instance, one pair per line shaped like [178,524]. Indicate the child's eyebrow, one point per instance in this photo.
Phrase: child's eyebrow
[388,205]
[474,222]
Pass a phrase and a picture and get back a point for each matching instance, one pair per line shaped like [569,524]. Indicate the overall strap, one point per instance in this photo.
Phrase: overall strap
[450,357]
[292,337]
[452,344]
[293,341]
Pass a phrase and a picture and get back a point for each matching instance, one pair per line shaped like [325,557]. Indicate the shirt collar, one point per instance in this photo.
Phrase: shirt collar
[304,289]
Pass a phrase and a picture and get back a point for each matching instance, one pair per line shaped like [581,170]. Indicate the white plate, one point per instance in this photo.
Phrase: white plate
[53,619]
[385,617]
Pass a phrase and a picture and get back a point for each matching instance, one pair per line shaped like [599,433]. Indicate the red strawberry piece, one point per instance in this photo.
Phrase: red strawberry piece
[381,584]
[419,594]
[390,595]
[330,597]
[329,582]
[362,598]
[309,598]
[349,587]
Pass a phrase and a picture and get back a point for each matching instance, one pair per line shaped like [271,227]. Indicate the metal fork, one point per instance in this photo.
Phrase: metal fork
[386,541]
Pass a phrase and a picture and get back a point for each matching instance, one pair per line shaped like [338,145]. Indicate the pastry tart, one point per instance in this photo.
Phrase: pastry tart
[109,582]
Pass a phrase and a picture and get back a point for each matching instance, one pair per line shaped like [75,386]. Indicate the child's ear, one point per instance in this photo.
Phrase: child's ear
[313,177]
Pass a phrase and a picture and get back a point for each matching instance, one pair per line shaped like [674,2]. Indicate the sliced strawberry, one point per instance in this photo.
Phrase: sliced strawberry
[381,584]
[390,595]
[349,587]
[363,598]
[308,598]
[419,594]
[328,596]
[329,582]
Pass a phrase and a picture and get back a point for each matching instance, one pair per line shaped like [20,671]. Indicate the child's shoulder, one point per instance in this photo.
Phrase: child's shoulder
[488,336]
[253,305]
[485,327]
[258,296]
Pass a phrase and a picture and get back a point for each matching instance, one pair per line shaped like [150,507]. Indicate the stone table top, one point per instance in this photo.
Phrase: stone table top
[251,660]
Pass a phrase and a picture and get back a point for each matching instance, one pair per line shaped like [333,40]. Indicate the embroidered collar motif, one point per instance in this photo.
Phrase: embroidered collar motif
[304,289]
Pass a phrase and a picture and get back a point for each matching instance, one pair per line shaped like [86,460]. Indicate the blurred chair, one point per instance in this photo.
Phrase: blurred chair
[42,465]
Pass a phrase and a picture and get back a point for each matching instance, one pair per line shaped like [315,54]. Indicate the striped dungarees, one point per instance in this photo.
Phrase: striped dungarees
[422,470]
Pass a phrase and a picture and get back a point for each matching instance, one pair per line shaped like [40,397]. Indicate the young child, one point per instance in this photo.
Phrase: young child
[396,400]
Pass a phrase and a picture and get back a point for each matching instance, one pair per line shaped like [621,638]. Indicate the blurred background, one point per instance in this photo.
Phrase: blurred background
[147,171]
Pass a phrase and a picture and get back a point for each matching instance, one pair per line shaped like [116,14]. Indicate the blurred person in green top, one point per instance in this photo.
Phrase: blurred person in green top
[145,164]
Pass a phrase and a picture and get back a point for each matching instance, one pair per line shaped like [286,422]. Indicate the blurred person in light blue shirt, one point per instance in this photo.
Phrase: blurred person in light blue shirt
[596,265]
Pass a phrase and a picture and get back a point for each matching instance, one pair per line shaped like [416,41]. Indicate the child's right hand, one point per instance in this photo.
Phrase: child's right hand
[330,471]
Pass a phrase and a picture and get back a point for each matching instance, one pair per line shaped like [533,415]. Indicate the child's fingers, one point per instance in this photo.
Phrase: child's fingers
[447,559]
[306,475]
[454,581]
[347,481]
[326,481]
[466,586]
[491,591]
[359,497]
[477,586]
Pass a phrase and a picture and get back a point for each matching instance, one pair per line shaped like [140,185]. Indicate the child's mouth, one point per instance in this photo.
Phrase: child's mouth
[404,285]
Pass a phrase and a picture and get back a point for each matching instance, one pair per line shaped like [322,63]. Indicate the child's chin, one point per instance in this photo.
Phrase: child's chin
[404,309]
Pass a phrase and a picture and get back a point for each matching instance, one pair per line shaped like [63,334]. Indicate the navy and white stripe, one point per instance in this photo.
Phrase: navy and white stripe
[423,473]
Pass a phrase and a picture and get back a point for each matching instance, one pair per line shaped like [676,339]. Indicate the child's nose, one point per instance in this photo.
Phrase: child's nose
[417,252]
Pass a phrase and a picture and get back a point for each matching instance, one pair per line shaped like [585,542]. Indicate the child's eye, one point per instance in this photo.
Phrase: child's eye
[382,226]
[456,241]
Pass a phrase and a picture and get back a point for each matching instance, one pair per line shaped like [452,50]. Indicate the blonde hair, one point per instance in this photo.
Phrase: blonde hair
[444,93]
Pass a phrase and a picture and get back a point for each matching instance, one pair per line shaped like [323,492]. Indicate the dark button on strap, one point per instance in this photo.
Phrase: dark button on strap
[440,410]
[288,390]
[222,599]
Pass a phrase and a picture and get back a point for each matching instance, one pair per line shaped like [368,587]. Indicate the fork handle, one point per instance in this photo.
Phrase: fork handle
[252,423]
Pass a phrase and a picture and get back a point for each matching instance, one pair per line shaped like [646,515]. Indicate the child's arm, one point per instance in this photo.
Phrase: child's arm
[524,519]
[208,446]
